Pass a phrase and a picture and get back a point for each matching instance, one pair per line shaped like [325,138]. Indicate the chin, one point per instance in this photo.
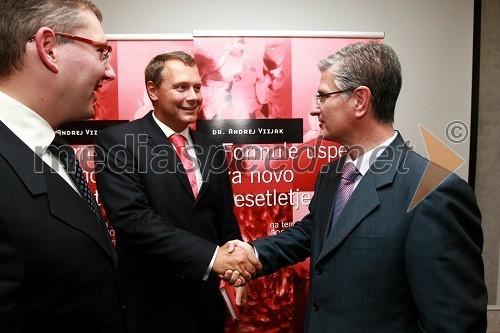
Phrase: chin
[90,115]
[85,116]
[190,120]
[325,135]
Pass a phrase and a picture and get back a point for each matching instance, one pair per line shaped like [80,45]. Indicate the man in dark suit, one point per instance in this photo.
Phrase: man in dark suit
[378,264]
[171,208]
[57,263]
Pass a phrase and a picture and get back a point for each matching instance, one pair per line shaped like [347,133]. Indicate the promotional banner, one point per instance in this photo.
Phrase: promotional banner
[258,92]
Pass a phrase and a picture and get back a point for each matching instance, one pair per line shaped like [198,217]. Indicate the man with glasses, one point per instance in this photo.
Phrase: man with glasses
[57,263]
[380,262]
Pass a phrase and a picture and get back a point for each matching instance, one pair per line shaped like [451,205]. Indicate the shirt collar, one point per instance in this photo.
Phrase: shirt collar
[169,132]
[26,124]
[365,161]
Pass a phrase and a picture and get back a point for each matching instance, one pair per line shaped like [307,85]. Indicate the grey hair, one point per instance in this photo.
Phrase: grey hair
[372,64]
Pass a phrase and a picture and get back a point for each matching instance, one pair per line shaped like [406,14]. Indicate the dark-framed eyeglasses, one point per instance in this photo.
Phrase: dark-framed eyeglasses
[103,48]
[321,97]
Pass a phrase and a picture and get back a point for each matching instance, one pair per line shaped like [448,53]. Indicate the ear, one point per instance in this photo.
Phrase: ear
[46,46]
[362,99]
[152,91]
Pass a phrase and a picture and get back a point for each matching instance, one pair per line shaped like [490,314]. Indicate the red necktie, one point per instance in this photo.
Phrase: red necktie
[179,143]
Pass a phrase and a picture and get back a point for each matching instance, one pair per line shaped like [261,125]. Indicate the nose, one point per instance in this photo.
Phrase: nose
[193,94]
[315,110]
[109,72]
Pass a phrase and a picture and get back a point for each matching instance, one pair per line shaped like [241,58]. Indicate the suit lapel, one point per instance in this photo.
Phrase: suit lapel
[363,200]
[23,160]
[39,178]
[162,146]
[365,197]
[69,207]
[327,199]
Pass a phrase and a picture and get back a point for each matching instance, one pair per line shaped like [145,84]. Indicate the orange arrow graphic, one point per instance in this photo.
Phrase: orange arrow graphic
[443,162]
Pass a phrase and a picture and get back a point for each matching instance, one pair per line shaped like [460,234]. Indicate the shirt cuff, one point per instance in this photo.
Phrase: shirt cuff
[211,265]
[255,253]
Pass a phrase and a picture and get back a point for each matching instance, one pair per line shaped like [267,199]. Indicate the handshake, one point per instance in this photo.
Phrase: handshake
[236,263]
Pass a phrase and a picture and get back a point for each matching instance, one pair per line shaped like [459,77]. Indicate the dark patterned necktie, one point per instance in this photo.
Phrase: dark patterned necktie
[349,174]
[65,153]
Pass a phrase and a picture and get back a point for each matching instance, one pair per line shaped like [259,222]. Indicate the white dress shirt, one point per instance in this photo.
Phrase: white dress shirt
[34,131]
[365,161]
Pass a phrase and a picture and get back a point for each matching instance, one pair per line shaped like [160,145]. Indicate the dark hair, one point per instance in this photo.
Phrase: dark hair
[372,64]
[20,20]
[154,70]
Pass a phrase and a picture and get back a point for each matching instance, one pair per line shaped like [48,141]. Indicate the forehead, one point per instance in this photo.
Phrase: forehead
[326,80]
[176,71]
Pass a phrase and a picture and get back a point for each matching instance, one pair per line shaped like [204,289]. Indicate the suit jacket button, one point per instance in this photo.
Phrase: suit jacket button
[319,270]
[315,306]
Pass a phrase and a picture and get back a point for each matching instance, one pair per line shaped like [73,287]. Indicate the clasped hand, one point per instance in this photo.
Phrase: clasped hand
[236,263]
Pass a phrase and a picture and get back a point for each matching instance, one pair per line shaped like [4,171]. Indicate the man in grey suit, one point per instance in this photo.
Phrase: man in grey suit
[57,263]
[379,265]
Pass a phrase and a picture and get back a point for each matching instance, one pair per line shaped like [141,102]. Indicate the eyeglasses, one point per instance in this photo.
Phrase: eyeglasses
[104,49]
[320,97]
